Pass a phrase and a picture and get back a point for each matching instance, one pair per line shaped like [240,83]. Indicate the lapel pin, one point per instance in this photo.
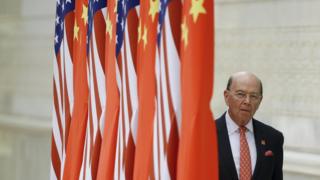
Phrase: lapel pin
[263,142]
[268,153]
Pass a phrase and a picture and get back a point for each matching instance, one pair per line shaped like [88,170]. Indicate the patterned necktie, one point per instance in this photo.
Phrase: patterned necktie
[245,160]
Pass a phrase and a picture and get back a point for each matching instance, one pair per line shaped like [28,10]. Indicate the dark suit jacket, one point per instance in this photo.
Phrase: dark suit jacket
[269,144]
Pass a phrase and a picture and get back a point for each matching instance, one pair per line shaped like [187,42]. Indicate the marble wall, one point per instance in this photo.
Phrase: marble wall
[279,40]
[26,54]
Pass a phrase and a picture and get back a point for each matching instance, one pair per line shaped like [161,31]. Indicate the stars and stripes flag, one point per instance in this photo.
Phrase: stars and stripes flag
[126,48]
[167,70]
[62,85]
[198,154]
[132,86]
[97,90]
[76,137]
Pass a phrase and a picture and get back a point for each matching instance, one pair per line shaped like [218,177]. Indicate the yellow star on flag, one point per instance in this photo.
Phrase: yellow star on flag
[144,36]
[115,7]
[196,9]
[109,27]
[185,31]
[84,15]
[154,8]
[75,30]
[139,31]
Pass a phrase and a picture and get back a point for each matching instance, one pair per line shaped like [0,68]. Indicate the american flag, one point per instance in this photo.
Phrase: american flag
[168,112]
[127,23]
[132,86]
[62,85]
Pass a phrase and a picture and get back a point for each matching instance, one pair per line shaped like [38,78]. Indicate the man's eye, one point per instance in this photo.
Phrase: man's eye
[254,97]
[241,94]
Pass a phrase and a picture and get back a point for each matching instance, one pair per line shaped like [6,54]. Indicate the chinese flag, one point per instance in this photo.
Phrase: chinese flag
[147,41]
[109,137]
[198,154]
[75,146]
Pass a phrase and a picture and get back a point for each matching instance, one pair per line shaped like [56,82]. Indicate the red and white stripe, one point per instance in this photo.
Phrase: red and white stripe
[63,105]
[168,111]
[128,115]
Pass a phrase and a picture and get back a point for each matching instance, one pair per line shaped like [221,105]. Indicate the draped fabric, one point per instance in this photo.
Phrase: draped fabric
[78,125]
[62,85]
[198,154]
[132,85]
[97,90]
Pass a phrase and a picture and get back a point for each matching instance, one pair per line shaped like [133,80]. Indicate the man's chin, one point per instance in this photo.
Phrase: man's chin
[245,119]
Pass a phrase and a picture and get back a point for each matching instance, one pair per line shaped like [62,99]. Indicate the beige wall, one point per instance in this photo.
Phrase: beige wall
[279,40]
[26,52]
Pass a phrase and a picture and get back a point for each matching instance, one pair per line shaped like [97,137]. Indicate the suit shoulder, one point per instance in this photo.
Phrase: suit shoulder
[221,117]
[268,129]
[219,121]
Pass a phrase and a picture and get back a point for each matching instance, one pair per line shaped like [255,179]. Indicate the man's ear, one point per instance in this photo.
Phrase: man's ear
[226,97]
[260,100]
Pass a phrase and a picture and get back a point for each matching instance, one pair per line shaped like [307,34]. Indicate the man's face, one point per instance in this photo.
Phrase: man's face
[243,98]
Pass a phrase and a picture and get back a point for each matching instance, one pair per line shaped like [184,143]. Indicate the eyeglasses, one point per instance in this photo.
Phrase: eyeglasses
[255,97]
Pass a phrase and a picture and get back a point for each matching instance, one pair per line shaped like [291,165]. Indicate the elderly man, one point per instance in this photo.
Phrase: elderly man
[248,149]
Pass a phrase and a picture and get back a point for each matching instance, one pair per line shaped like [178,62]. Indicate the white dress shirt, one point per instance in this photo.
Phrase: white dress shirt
[234,138]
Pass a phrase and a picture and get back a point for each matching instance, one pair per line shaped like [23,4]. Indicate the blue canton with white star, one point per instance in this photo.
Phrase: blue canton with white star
[123,7]
[63,8]
[93,7]
[162,13]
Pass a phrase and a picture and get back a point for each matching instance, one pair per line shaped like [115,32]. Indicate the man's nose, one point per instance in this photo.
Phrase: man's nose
[247,99]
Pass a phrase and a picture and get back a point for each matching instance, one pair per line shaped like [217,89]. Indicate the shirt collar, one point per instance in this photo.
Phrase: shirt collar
[233,127]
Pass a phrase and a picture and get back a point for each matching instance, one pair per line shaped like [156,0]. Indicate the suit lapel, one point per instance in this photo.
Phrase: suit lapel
[260,146]
[225,152]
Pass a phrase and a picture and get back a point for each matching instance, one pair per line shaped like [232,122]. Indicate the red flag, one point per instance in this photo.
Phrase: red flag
[158,73]
[63,86]
[198,156]
[108,146]
[97,90]
[77,132]
[147,38]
